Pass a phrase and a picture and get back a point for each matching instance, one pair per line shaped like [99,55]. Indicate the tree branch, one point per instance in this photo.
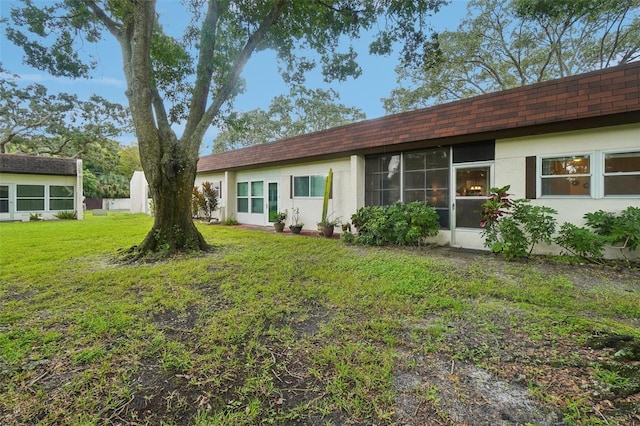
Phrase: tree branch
[204,70]
[225,90]
[113,27]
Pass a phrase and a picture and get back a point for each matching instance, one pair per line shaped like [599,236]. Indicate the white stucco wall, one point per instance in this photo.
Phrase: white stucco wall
[510,168]
[219,180]
[343,203]
[139,201]
[13,179]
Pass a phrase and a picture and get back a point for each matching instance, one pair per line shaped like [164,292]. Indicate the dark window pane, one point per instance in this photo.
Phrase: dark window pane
[574,165]
[61,204]
[317,186]
[438,158]
[414,179]
[301,186]
[390,197]
[414,161]
[243,205]
[622,162]
[437,179]
[622,185]
[4,191]
[257,189]
[29,205]
[414,195]
[61,191]
[30,191]
[443,215]
[468,212]
[566,186]
[243,189]
[257,205]
[476,151]
[4,206]
[437,198]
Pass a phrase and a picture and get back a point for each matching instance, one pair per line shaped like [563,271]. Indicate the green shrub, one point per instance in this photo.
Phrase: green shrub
[510,241]
[67,215]
[397,224]
[230,221]
[621,230]
[580,241]
[513,227]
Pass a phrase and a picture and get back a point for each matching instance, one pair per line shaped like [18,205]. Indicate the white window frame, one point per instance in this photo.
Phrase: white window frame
[247,197]
[293,182]
[604,174]
[255,197]
[72,197]
[7,199]
[44,198]
[593,165]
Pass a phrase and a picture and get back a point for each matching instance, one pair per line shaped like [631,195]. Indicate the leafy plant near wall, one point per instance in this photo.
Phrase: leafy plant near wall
[580,241]
[622,230]
[204,200]
[514,227]
[397,224]
[67,215]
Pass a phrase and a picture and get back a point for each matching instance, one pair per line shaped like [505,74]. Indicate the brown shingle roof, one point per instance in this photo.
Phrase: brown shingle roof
[600,98]
[33,164]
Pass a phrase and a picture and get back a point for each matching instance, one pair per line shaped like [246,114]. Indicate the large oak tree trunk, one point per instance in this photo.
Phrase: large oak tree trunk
[171,187]
[173,228]
[169,163]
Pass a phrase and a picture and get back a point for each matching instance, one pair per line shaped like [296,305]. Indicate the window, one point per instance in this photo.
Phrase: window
[567,175]
[308,186]
[426,177]
[30,197]
[622,173]
[250,197]
[4,199]
[257,197]
[243,197]
[61,197]
[382,180]
[411,176]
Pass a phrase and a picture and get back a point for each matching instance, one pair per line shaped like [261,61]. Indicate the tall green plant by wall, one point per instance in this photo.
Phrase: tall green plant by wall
[513,227]
[327,193]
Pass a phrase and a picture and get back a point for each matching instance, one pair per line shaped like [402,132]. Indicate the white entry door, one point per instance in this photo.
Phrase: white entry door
[472,183]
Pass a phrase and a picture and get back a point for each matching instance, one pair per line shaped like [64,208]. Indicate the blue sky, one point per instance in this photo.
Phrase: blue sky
[261,73]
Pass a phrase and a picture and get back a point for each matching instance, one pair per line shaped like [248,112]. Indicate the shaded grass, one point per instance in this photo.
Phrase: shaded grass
[269,328]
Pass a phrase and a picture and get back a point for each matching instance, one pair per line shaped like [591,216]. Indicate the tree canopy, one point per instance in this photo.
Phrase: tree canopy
[301,111]
[33,121]
[193,79]
[508,43]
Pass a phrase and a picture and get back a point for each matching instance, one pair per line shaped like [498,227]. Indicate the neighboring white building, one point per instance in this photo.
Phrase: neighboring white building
[572,144]
[139,193]
[44,186]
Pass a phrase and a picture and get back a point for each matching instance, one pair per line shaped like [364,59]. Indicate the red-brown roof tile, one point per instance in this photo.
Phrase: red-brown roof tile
[600,98]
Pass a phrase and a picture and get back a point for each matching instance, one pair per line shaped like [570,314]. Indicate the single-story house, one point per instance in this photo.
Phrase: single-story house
[43,186]
[572,144]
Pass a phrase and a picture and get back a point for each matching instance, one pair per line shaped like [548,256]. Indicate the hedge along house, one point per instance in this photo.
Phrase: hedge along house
[45,186]
[572,144]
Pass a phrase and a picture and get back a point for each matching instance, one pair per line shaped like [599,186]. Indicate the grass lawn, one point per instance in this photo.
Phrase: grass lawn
[282,329]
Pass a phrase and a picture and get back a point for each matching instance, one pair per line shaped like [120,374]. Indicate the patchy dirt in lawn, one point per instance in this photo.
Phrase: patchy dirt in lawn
[514,380]
[470,376]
